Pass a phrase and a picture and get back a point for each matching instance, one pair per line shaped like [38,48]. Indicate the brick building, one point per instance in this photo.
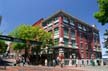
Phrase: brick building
[72,37]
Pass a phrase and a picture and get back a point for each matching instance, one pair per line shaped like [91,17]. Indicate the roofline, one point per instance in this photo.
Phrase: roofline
[69,15]
[37,22]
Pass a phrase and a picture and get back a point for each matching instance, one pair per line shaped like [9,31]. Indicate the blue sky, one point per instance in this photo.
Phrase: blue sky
[16,12]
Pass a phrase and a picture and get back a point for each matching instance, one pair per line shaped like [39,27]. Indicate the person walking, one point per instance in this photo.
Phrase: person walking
[61,60]
[76,62]
[18,61]
[57,60]
[54,62]
[28,61]
[23,61]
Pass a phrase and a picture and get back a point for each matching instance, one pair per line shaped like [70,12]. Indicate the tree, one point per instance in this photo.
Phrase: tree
[3,46]
[30,33]
[102,17]
[102,14]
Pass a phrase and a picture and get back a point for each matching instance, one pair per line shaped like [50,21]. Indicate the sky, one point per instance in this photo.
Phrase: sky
[17,12]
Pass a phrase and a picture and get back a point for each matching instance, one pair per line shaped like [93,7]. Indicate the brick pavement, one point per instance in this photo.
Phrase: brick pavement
[57,68]
[38,68]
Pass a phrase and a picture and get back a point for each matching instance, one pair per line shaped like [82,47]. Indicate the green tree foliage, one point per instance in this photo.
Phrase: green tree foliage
[102,17]
[18,46]
[102,14]
[3,46]
[31,33]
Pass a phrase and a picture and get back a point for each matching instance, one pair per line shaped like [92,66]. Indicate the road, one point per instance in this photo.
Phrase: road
[9,67]
[66,68]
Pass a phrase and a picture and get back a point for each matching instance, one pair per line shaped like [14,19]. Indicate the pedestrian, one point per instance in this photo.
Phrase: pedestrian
[28,61]
[23,61]
[87,62]
[54,63]
[76,62]
[61,60]
[57,60]
[46,62]
[82,62]
[18,61]
[70,61]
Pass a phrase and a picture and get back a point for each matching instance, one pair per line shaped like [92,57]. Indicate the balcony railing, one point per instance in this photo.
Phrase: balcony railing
[45,27]
[56,21]
[66,36]
[56,36]
[64,20]
[97,49]
[75,47]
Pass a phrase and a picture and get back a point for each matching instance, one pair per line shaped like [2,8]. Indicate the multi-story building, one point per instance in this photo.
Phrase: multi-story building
[72,37]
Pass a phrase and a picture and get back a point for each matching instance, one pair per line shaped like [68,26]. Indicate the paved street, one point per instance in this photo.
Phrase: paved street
[10,67]
[95,68]
[38,68]
[43,68]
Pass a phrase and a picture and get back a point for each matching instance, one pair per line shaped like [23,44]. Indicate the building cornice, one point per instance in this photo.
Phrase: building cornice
[72,17]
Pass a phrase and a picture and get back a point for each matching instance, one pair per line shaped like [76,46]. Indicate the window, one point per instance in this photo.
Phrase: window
[86,46]
[49,21]
[84,28]
[56,41]
[64,23]
[81,36]
[44,24]
[81,45]
[73,34]
[73,43]
[79,26]
[50,26]
[56,18]
[56,23]
[87,54]
[82,55]
[56,32]
[65,19]
[96,36]
[85,36]
[66,41]
[50,31]
[72,22]
[65,32]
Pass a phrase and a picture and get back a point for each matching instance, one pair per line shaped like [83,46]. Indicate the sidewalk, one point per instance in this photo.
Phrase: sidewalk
[38,68]
[56,68]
